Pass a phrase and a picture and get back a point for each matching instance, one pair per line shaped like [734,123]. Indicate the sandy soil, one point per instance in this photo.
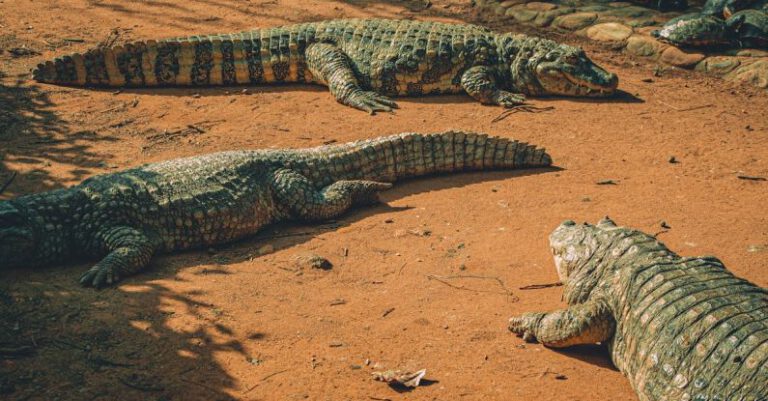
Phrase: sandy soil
[242,322]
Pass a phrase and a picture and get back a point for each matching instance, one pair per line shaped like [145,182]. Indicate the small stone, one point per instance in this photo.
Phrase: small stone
[338,301]
[754,248]
[335,344]
[245,91]
[546,17]
[678,58]
[718,65]
[389,221]
[313,261]
[575,21]
[606,182]
[664,225]
[420,232]
[510,3]
[609,32]
[540,6]
[644,46]
[266,249]
[755,73]
[522,14]
[641,22]
[586,199]
[561,377]
[593,8]
[673,160]
[196,95]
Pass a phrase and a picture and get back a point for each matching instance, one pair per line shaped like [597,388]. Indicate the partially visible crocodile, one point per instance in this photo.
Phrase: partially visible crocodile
[127,217]
[679,328]
[362,61]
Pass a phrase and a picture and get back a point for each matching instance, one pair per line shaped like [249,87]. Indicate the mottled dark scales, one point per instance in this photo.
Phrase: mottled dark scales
[127,217]
[679,328]
[361,61]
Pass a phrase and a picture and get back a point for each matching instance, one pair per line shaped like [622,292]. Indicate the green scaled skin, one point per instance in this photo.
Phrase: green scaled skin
[362,61]
[127,217]
[679,328]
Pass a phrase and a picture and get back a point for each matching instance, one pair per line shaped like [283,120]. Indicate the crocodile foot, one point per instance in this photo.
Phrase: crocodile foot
[508,99]
[525,325]
[370,102]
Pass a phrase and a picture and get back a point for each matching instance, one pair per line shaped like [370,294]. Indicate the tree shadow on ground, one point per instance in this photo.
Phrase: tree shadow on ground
[34,137]
[58,340]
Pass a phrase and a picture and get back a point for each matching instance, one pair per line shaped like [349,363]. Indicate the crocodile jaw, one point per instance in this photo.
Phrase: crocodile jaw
[582,79]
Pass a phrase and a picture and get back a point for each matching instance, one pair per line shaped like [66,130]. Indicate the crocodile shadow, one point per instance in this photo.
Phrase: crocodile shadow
[596,354]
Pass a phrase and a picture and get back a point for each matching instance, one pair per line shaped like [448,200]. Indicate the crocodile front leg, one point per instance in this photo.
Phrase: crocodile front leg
[587,323]
[129,250]
[328,63]
[303,201]
[480,83]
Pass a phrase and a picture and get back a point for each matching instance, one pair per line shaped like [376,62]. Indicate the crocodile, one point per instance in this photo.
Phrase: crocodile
[363,62]
[680,328]
[125,218]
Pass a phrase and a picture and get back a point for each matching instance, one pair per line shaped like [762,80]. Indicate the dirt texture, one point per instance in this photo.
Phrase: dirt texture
[426,280]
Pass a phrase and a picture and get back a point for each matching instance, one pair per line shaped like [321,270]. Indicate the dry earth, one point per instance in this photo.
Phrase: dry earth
[243,323]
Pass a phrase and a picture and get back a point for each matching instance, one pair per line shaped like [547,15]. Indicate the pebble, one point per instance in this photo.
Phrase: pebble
[313,261]
[755,73]
[575,21]
[678,58]
[644,46]
[609,32]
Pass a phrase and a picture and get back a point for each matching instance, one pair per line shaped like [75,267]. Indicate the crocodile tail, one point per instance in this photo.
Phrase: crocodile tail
[411,155]
[258,56]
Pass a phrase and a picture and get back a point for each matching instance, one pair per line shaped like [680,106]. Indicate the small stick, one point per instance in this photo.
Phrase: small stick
[697,107]
[443,279]
[269,376]
[741,177]
[8,183]
[540,286]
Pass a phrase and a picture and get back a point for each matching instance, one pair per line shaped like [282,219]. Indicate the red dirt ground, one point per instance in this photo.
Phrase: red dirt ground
[244,324]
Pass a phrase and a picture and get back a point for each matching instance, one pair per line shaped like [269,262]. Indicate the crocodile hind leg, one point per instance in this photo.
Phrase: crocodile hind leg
[480,83]
[303,201]
[330,65]
[587,323]
[129,251]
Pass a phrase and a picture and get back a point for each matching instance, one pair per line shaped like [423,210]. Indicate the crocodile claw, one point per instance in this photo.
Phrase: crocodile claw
[508,99]
[524,326]
[99,276]
[371,102]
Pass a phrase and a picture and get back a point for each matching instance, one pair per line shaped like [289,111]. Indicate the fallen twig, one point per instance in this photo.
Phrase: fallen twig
[530,109]
[697,107]
[443,279]
[269,376]
[8,182]
[741,177]
[540,286]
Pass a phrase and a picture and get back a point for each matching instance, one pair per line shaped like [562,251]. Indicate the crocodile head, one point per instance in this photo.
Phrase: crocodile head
[580,252]
[567,71]
[17,237]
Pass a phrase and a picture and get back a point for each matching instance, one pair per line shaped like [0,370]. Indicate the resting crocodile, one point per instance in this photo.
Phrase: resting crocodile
[127,217]
[362,61]
[679,328]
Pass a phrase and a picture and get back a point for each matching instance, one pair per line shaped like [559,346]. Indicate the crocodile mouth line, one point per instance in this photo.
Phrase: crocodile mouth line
[589,88]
